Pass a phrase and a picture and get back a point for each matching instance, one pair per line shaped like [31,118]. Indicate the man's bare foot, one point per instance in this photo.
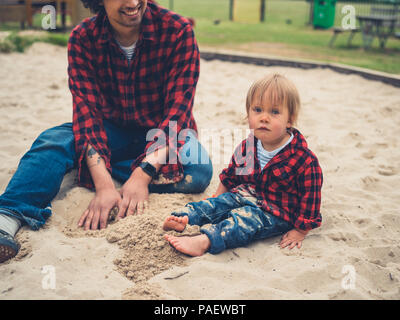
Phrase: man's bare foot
[192,246]
[175,223]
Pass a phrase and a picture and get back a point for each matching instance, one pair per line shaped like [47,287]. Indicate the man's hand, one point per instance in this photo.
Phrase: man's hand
[99,209]
[135,191]
[292,238]
[135,194]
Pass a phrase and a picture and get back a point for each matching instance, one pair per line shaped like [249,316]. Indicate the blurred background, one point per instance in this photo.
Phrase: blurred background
[361,33]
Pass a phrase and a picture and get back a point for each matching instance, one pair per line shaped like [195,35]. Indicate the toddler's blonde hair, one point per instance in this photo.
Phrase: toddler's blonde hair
[279,91]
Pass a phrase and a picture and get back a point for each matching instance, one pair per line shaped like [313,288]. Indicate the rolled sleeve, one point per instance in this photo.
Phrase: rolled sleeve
[310,184]
[179,91]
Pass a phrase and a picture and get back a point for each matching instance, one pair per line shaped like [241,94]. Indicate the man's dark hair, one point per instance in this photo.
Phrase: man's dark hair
[93,5]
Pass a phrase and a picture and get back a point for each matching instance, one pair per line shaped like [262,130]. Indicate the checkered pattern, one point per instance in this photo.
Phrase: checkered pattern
[157,87]
[289,186]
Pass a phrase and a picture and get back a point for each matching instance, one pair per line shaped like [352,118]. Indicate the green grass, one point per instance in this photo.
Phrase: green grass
[285,32]
[303,42]
[18,43]
[286,23]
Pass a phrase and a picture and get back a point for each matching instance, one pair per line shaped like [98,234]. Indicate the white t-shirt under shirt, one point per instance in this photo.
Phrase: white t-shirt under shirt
[129,51]
[265,156]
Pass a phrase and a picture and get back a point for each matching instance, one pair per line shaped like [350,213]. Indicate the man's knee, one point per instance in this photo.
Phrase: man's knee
[199,180]
[59,139]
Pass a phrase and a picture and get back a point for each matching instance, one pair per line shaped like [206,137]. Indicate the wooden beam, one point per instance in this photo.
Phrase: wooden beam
[74,12]
[29,13]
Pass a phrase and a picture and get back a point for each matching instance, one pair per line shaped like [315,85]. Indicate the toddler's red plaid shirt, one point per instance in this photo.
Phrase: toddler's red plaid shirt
[156,88]
[289,186]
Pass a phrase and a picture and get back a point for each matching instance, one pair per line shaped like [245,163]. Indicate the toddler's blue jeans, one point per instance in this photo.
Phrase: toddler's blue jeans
[41,170]
[232,220]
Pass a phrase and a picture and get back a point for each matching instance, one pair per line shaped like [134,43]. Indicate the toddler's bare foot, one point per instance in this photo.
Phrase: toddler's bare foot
[175,223]
[192,246]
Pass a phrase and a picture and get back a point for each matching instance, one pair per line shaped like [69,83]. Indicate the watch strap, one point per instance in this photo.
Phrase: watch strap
[149,169]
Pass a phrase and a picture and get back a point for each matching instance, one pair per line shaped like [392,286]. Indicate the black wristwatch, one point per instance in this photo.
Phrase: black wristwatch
[149,169]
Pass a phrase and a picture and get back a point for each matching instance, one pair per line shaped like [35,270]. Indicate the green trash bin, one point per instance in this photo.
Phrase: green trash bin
[324,13]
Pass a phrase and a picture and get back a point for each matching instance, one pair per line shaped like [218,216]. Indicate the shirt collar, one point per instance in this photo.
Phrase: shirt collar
[147,31]
[298,142]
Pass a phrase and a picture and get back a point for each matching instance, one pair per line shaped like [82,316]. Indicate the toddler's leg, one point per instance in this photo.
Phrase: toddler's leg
[208,211]
[238,229]
[223,229]
[244,225]
[212,210]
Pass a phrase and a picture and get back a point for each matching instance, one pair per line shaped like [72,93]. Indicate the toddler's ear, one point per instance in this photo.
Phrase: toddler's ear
[290,123]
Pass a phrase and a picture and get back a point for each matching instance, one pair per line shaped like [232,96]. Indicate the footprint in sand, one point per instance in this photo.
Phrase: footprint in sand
[369,155]
[391,222]
[53,96]
[349,238]
[369,182]
[387,170]
[54,86]
[382,255]
[387,111]
[354,136]
[363,222]
[381,145]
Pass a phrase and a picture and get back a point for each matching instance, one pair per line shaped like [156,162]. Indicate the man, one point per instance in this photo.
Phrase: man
[133,70]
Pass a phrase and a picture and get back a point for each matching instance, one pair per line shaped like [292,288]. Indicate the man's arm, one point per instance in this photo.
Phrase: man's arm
[181,79]
[98,171]
[106,198]
[181,76]
[87,101]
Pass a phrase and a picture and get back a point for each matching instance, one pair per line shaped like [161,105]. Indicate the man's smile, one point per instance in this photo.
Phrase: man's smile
[132,12]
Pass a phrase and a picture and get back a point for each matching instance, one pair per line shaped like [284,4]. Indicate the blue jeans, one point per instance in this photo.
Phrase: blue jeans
[231,220]
[41,170]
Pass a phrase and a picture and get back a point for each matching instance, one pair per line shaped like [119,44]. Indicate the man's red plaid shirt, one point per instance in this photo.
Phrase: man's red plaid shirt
[157,87]
[289,186]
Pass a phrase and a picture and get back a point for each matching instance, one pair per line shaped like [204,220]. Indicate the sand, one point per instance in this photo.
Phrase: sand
[352,124]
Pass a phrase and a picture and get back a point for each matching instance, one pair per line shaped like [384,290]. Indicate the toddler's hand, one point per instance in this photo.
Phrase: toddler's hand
[292,238]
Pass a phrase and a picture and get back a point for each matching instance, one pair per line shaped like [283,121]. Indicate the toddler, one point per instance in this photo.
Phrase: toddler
[271,187]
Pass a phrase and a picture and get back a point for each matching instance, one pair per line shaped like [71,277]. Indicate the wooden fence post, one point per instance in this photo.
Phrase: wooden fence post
[231,9]
[311,14]
[262,11]
[29,12]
